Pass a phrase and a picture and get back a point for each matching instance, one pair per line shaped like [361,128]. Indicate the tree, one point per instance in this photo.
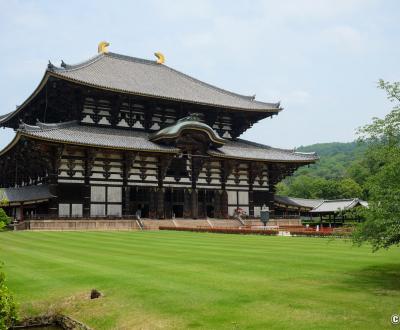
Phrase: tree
[4,219]
[348,188]
[8,311]
[382,225]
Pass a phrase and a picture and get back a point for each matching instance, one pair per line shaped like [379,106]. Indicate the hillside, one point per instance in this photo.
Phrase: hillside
[339,173]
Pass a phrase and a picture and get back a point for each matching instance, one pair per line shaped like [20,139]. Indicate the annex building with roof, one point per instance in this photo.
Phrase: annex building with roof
[117,134]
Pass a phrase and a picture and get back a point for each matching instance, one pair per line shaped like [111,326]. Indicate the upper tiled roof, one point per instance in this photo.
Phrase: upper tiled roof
[73,133]
[143,77]
[243,149]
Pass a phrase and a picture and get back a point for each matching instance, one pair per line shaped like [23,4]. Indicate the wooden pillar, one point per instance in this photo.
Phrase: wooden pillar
[127,163]
[253,170]
[153,204]
[196,166]
[160,203]
[187,204]
[224,204]
[195,204]
[90,157]
[217,204]
[55,154]
[163,164]
[226,169]
[251,202]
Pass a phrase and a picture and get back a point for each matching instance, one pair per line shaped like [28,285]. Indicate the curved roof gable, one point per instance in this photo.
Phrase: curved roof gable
[190,123]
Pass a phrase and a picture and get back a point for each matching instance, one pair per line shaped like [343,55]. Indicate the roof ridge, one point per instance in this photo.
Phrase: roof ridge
[79,65]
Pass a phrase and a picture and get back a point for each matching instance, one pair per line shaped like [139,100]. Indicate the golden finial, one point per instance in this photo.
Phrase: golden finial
[160,57]
[102,48]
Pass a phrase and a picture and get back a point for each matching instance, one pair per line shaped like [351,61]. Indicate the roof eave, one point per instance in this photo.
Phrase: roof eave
[265,110]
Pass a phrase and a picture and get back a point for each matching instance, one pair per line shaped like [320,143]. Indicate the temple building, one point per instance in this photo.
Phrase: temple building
[116,134]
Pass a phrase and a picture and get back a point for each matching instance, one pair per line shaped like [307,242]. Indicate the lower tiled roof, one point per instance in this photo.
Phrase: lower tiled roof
[73,133]
[255,151]
[25,194]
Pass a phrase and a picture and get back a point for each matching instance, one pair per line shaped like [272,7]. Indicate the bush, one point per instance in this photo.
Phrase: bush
[4,219]
[8,311]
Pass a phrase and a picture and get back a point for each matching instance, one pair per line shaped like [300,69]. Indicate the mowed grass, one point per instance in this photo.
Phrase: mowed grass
[180,280]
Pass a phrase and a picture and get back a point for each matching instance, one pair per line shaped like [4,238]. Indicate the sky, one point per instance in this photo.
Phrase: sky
[320,58]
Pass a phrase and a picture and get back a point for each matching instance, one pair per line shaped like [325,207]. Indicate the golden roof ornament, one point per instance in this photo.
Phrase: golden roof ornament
[160,57]
[102,48]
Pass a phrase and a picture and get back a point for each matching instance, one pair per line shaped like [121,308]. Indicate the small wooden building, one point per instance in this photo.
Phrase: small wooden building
[116,134]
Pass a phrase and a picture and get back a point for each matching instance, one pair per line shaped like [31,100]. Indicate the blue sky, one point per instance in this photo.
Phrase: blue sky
[321,59]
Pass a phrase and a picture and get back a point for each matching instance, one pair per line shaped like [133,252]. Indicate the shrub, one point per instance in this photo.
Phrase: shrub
[8,311]
[4,219]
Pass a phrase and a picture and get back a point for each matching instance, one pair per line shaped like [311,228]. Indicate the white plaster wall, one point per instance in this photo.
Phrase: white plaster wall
[232,197]
[98,194]
[114,209]
[243,198]
[114,194]
[76,210]
[63,210]
[97,210]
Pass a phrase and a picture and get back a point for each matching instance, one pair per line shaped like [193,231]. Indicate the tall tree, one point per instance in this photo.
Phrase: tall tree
[382,225]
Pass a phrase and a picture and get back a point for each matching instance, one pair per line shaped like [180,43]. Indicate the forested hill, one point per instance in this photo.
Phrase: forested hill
[340,173]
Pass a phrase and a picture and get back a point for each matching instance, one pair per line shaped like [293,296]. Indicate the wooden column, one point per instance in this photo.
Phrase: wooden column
[251,176]
[196,166]
[195,204]
[163,164]
[187,204]
[217,204]
[54,154]
[127,163]
[90,157]
[160,203]
[153,204]
[226,169]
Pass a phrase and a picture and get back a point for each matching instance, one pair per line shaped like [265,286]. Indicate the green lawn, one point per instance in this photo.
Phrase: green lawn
[179,280]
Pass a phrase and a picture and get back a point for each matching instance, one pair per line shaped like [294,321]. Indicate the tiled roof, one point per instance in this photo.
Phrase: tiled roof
[298,202]
[74,133]
[250,150]
[143,77]
[337,205]
[25,194]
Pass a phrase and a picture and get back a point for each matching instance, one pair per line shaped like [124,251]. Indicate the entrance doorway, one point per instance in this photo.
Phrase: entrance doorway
[174,202]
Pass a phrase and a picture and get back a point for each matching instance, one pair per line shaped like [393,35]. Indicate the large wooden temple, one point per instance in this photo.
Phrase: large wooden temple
[117,134]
